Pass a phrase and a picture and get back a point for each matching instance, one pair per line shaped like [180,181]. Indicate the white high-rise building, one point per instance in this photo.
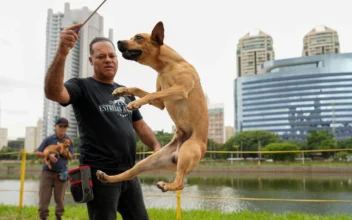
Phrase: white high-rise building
[216,123]
[321,40]
[3,137]
[33,137]
[255,48]
[29,141]
[39,133]
[77,63]
[228,132]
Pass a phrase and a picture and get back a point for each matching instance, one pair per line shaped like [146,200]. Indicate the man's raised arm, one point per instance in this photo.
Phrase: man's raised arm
[54,79]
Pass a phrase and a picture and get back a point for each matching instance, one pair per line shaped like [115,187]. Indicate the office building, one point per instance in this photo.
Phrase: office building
[294,96]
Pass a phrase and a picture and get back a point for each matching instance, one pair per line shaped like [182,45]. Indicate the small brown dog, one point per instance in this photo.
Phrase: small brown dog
[178,88]
[59,148]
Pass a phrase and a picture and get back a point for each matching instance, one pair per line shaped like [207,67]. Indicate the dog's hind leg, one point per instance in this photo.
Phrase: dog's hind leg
[47,161]
[188,158]
[161,160]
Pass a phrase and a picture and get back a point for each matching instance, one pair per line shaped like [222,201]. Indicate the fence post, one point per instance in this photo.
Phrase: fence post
[23,172]
[303,158]
[178,208]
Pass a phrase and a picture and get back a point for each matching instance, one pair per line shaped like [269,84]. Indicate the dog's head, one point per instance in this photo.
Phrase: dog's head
[64,146]
[143,48]
[67,143]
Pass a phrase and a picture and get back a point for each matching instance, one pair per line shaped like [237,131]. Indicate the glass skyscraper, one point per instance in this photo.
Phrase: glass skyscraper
[293,96]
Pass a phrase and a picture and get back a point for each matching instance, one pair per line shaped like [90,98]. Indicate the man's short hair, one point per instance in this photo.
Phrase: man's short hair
[98,39]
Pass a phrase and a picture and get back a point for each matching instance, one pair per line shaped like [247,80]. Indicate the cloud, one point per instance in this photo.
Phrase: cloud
[8,84]
[14,111]
[5,42]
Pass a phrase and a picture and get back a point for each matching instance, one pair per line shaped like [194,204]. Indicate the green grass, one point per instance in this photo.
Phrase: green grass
[79,212]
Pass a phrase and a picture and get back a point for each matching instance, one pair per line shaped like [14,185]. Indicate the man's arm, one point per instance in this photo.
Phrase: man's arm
[54,86]
[146,135]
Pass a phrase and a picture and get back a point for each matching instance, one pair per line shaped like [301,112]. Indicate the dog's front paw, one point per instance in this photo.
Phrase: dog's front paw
[134,105]
[101,176]
[122,91]
[58,148]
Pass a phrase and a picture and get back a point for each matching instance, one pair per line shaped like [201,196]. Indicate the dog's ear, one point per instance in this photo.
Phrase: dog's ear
[158,33]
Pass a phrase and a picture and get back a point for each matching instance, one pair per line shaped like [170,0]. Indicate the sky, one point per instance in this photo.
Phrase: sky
[204,32]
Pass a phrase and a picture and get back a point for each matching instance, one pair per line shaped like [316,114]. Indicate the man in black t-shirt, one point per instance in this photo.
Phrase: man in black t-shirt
[105,125]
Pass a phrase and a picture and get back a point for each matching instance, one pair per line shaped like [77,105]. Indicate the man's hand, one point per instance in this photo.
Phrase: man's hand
[52,158]
[68,38]
[157,148]
[146,135]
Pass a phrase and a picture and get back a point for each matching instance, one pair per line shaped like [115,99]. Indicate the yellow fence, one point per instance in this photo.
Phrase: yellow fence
[23,154]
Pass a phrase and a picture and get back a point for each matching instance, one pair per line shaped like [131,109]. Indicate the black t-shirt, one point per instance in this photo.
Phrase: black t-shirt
[105,124]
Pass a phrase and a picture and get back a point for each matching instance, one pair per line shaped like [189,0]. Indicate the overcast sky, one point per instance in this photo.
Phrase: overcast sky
[204,32]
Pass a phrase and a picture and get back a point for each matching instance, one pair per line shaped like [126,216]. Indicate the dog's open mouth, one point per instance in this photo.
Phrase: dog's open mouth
[131,54]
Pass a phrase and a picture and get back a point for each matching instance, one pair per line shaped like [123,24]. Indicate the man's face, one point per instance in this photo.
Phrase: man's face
[104,60]
[60,130]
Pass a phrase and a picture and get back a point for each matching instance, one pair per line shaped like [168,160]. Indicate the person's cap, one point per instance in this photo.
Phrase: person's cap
[62,121]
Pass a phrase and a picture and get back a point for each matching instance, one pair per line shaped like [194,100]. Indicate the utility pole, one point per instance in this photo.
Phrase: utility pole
[333,121]
[260,155]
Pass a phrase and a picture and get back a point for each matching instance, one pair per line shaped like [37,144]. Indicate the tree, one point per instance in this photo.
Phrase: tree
[342,155]
[76,144]
[16,145]
[163,138]
[320,140]
[343,144]
[281,147]
[213,146]
[4,156]
[249,141]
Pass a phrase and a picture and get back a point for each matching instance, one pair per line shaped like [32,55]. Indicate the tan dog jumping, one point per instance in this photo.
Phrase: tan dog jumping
[178,88]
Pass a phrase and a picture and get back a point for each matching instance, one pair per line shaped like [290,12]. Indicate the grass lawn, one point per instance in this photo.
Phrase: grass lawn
[79,212]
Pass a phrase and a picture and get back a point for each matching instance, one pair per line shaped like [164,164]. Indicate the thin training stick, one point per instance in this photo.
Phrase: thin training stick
[90,16]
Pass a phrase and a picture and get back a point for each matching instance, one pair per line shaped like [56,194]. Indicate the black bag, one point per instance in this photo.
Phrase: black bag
[81,184]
